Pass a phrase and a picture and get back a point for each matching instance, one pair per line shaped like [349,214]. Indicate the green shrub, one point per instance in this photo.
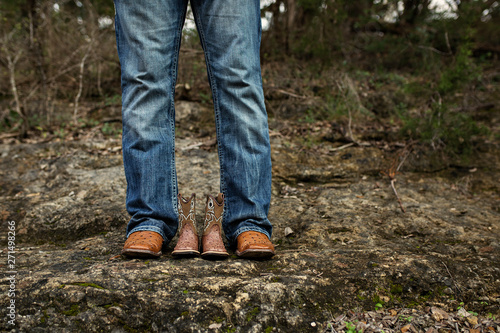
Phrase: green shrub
[442,128]
[462,72]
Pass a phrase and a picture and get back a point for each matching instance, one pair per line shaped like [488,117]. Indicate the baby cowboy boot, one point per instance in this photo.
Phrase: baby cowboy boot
[211,241]
[187,245]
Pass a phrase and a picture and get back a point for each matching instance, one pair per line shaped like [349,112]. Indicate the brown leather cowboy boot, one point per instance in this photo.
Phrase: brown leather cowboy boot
[187,245]
[254,245]
[143,244]
[211,241]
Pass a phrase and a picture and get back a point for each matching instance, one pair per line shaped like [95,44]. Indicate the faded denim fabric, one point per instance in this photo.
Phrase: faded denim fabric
[148,35]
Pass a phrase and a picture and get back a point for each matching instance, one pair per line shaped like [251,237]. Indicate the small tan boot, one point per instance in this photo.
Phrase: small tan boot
[211,241]
[187,245]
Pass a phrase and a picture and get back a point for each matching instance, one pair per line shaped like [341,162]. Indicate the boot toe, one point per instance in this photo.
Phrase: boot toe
[143,244]
[253,244]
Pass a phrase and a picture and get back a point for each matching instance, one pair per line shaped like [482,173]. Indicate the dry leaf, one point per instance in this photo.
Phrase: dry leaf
[438,314]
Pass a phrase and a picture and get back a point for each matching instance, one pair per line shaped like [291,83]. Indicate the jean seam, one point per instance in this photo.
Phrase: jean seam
[175,64]
[215,98]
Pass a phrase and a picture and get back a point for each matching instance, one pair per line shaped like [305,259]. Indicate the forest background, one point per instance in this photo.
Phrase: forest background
[359,93]
[420,72]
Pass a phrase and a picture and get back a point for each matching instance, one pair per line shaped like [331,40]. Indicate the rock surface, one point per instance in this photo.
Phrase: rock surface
[343,246]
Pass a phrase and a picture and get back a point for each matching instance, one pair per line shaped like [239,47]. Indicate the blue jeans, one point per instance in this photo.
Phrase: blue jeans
[148,35]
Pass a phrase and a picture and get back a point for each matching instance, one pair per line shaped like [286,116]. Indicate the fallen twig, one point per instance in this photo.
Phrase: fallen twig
[192,146]
[452,279]
[8,135]
[342,147]
[393,171]
[397,196]
[284,92]
[403,160]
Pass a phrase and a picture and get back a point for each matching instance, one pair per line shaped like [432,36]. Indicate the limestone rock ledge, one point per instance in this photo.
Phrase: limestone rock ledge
[342,244]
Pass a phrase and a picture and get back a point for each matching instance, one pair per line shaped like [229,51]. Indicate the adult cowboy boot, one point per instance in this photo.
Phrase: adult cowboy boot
[187,245]
[254,245]
[143,244]
[211,241]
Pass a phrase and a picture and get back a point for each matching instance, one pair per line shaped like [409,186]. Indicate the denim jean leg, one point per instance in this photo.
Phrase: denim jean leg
[230,33]
[148,35]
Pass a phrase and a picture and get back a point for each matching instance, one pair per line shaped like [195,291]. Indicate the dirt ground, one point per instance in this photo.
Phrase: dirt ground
[348,258]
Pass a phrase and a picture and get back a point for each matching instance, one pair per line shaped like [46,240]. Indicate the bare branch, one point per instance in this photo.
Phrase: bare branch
[80,87]
[397,196]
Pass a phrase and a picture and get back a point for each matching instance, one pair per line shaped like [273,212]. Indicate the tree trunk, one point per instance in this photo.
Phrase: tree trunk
[414,10]
[36,52]
[11,65]
[291,14]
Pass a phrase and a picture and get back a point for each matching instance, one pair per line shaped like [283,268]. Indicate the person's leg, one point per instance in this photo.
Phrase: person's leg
[148,35]
[230,34]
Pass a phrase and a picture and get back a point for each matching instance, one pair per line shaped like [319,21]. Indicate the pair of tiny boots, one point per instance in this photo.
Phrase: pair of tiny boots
[211,241]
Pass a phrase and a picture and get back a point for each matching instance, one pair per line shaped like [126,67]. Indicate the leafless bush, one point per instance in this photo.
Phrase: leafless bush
[50,54]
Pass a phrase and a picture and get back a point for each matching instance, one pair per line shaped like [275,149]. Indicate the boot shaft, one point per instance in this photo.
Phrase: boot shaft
[186,208]
[211,241]
[214,210]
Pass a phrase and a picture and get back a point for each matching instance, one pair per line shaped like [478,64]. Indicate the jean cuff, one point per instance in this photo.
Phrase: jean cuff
[150,228]
[253,228]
